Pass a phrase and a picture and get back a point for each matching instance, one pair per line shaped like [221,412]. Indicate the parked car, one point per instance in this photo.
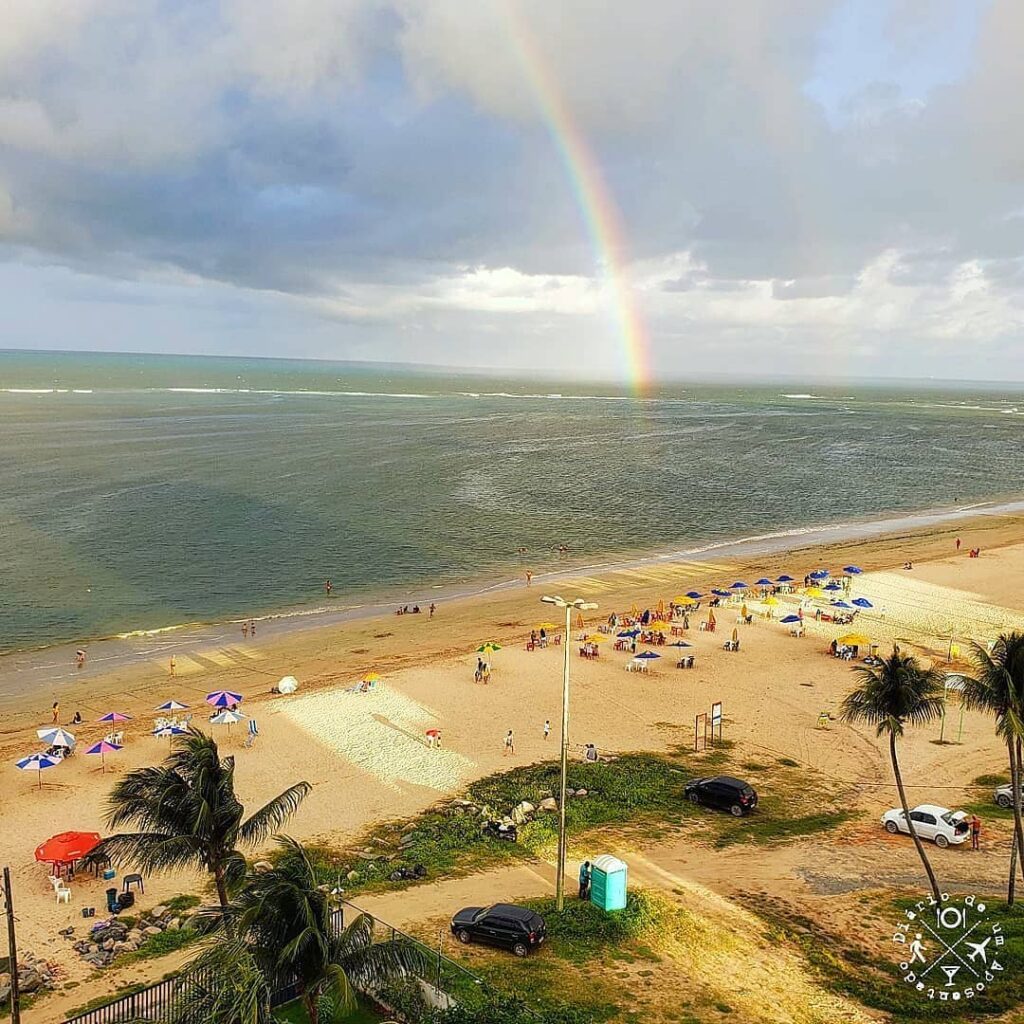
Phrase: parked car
[1004,795]
[515,928]
[940,824]
[732,795]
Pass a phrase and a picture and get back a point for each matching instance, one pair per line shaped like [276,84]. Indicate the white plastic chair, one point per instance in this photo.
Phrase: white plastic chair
[63,893]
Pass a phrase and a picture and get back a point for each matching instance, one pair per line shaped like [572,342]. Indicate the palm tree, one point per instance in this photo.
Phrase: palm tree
[899,691]
[998,689]
[286,919]
[187,815]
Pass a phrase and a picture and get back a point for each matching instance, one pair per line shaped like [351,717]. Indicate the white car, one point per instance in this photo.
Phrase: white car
[940,824]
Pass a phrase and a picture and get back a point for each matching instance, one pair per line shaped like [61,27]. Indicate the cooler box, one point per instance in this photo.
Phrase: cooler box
[608,883]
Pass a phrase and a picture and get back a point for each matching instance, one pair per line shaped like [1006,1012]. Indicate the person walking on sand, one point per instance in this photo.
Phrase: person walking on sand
[80,659]
[958,543]
[975,831]
[174,666]
[245,630]
[529,577]
[433,608]
[56,713]
[547,728]
[510,744]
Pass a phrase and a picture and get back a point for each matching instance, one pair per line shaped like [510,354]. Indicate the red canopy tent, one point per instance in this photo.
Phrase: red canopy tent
[67,847]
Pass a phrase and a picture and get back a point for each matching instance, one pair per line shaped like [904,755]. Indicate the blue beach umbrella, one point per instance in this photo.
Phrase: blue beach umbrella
[36,763]
[819,574]
[763,582]
[56,737]
[680,643]
[790,619]
[738,585]
[784,579]
[647,656]
[833,587]
[862,602]
[841,604]
[695,594]
[114,716]
[628,634]
[168,732]
[223,698]
[171,705]
[721,593]
[852,570]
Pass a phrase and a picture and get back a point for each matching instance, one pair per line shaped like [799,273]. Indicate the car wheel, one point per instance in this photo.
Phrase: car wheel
[463,936]
[736,811]
[1004,801]
[693,797]
[891,827]
[521,949]
[941,842]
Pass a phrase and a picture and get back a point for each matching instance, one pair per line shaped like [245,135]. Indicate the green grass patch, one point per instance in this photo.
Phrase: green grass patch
[156,946]
[765,829]
[997,779]
[295,1013]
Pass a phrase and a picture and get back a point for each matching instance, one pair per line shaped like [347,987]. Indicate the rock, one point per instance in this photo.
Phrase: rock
[411,837]
[151,930]
[174,924]
[549,803]
[108,945]
[159,911]
[352,876]
[121,947]
[135,935]
[366,855]
[29,980]
[526,807]
[94,947]
[5,992]
[581,792]
[96,959]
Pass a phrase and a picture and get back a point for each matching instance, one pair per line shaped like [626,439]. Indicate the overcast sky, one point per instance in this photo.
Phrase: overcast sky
[803,185]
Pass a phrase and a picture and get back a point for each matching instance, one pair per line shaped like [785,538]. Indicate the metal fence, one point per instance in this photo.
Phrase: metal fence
[153,1002]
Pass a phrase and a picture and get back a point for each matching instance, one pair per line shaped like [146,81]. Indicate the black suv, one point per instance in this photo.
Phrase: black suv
[502,924]
[732,795]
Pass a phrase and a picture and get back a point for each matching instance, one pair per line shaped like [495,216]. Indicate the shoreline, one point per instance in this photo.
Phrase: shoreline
[53,663]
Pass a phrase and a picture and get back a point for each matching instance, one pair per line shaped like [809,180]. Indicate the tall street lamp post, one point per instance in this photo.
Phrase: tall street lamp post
[578,605]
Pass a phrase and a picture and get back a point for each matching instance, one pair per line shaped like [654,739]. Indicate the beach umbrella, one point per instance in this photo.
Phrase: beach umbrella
[814,592]
[721,593]
[36,763]
[735,635]
[743,610]
[852,570]
[56,737]
[763,582]
[695,594]
[785,579]
[370,677]
[789,619]
[684,599]
[771,601]
[223,698]
[680,643]
[103,748]
[647,656]
[862,602]
[819,574]
[114,716]
[168,732]
[628,634]
[595,638]
[854,640]
[227,717]
[659,626]
[67,847]
[489,648]
[833,587]
[711,618]
[546,626]
[171,705]
[841,604]
[288,685]
[738,585]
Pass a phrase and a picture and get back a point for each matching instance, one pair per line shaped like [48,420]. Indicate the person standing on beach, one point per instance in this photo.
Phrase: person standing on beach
[510,744]
[433,608]
[252,628]
[245,630]
[529,577]
[56,713]
[975,831]
[174,666]
[958,543]
[547,728]
[80,659]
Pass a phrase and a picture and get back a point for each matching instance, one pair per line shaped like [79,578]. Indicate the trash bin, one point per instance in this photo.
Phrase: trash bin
[608,882]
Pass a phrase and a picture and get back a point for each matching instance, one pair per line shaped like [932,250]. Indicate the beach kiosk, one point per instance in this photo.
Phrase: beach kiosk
[608,883]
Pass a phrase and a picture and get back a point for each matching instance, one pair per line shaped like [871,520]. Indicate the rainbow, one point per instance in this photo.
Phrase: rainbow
[597,207]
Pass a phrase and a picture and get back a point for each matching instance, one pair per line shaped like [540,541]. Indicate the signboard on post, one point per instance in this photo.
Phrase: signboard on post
[700,732]
[716,721]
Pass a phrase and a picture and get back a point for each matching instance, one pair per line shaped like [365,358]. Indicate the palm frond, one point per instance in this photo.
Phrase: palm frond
[153,852]
[260,825]
[375,964]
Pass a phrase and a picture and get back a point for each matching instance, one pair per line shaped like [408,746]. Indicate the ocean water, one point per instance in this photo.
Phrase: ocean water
[138,492]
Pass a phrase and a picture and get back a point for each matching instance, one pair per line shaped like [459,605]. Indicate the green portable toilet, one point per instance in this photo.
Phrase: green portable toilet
[608,883]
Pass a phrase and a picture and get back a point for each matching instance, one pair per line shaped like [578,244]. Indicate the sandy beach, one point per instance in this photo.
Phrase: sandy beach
[365,755]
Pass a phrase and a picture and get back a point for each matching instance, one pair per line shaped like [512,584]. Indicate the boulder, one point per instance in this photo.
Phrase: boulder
[135,935]
[263,866]
[174,924]
[549,803]
[29,980]
[526,807]
[159,911]
[122,947]
[151,930]
[107,946]
[581,792]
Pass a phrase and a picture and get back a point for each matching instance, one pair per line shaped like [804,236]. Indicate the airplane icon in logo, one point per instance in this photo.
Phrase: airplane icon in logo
[978,950]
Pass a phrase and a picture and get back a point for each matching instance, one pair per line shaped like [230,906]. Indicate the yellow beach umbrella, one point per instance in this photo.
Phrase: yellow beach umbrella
[855,640]
[547,625]
[684,599]
[596,638]
[771,601]
[659,627]
[370,677]
[814,592]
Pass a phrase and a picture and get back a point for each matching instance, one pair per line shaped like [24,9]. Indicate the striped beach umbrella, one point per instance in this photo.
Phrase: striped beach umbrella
[862,602]
[114,716]
[171,705]
[38,763]
[103,748]
[56,737]
[223,698]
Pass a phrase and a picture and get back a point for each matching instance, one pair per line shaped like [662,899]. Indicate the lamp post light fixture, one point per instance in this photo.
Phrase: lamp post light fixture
[578,605]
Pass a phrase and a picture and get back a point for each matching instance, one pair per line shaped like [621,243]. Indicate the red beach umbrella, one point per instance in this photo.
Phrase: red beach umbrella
[67,847]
